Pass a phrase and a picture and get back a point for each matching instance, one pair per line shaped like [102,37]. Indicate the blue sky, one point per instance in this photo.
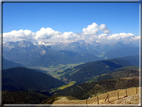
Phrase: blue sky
[71,17]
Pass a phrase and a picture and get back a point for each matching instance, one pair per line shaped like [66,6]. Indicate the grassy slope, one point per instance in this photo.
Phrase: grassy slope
[85,90]
[67,85]
[93,100]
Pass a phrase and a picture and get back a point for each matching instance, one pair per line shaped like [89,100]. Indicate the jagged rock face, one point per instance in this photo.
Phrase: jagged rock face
[23,51]
[81,46]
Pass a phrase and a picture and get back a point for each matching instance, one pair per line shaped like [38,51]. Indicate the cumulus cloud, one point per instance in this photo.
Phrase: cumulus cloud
[104,29]
[18,35]
[135,38]
[69,35]
[120,36]
[46,33]
[103,36]
[90,33]
[91,29]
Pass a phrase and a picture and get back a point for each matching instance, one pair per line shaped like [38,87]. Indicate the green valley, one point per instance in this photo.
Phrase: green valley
[57,71]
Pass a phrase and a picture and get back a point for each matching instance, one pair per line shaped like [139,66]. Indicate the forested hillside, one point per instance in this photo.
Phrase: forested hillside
[86,90]
[87,71]
[25,79]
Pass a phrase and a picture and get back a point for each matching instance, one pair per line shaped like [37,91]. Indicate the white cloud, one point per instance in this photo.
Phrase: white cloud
[67,34]
[46,33]
[92,38]
[135,38]
[103,36]
[120,36]
[104,29]
[90,33]
[70,35]
[91,29]
[18,35]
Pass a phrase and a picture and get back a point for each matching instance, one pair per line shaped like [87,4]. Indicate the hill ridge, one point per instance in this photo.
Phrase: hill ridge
[89,70]
[26,79]
[113,98]
[93,88]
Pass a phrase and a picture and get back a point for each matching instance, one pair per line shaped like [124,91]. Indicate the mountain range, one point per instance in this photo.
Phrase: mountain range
[29,54]
[104,50]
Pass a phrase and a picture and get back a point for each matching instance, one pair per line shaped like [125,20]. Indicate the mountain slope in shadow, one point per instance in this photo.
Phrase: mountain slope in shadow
[25,79]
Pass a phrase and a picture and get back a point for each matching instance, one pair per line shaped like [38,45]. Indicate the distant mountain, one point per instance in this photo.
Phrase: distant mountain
[40,55]
[30,55]
[54,58]
[86,90]
[23,51]
[109,50]
[24,79]
[87,71]
[119,52]
[80,47]
[9,64]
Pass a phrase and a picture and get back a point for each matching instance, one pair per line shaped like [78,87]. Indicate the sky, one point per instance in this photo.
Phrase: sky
[43,22]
